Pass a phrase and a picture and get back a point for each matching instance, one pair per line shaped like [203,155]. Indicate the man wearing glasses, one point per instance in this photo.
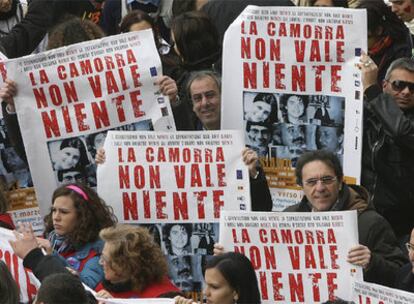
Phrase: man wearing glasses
[405,277]
[321,177]
[388,143]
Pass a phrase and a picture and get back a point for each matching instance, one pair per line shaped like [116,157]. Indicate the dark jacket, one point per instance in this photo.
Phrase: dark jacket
[374,232]
[405,278]
[388,159]
[41,16]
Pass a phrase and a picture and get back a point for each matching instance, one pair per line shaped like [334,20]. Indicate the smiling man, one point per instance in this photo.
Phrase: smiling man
[388,144]
[204,90]
[321,177]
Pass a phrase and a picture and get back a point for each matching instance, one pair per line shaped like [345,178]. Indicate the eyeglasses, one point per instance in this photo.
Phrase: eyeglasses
[325,180]
[399,85]
[208,95]
[409,246]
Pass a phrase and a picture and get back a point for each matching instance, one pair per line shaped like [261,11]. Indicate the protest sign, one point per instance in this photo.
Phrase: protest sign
[290,82]
[368,293]
[27,282]
[174,177]
[176,184]
[69,97]
[298,257]
[3,73]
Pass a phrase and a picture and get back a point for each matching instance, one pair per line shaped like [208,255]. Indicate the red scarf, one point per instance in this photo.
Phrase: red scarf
[6,218]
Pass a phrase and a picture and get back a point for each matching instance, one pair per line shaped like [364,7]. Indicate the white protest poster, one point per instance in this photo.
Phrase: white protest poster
[27,282]
[174,177]
[368,293]
[298,257]
[69,97]
[176,184]
[290,82]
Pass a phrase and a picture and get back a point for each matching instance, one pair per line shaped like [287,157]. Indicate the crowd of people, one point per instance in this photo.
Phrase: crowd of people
[82,241]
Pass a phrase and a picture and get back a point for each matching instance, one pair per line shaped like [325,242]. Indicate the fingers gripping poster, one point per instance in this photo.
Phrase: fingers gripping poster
[68,98]
[290,82]
[298,257]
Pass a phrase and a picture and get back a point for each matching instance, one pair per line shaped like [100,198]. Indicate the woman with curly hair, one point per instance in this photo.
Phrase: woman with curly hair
[72,228]
[134,265]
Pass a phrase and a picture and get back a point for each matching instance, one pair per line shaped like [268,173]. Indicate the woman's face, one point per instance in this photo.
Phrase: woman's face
[218,290]
[139,26]
[295,107]
[261,111]
[64,215]
[178,236]
[174,44]
[106,262]
[69,157]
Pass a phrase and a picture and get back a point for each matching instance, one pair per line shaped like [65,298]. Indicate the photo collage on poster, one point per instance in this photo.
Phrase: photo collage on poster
[284,126]
[14,172]
[73,159]
[187,246]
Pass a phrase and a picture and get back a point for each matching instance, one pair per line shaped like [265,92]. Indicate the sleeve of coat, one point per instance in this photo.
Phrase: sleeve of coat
[43,265]
[26,35]
[261,198]
[386,256]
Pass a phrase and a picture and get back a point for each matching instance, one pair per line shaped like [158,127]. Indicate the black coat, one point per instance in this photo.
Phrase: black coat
[387,159]
[374,233]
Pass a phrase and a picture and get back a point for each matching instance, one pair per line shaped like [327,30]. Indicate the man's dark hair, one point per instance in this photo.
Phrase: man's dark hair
[406,64]
[328,158]
[62,288]
[252,123]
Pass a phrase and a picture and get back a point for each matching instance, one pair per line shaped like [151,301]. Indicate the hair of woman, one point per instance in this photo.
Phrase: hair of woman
[135,254]
[92,215]
[239,274]
[166,230]
[9,291]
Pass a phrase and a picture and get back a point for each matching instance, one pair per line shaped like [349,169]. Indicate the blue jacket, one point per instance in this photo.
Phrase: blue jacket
[87,256]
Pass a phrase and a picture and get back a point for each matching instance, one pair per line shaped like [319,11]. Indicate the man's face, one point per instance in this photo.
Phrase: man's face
[396,86]
[259,135]
[327,139]
[180,272]
[293,135]
[206,102]
[321,195]
[403,9]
